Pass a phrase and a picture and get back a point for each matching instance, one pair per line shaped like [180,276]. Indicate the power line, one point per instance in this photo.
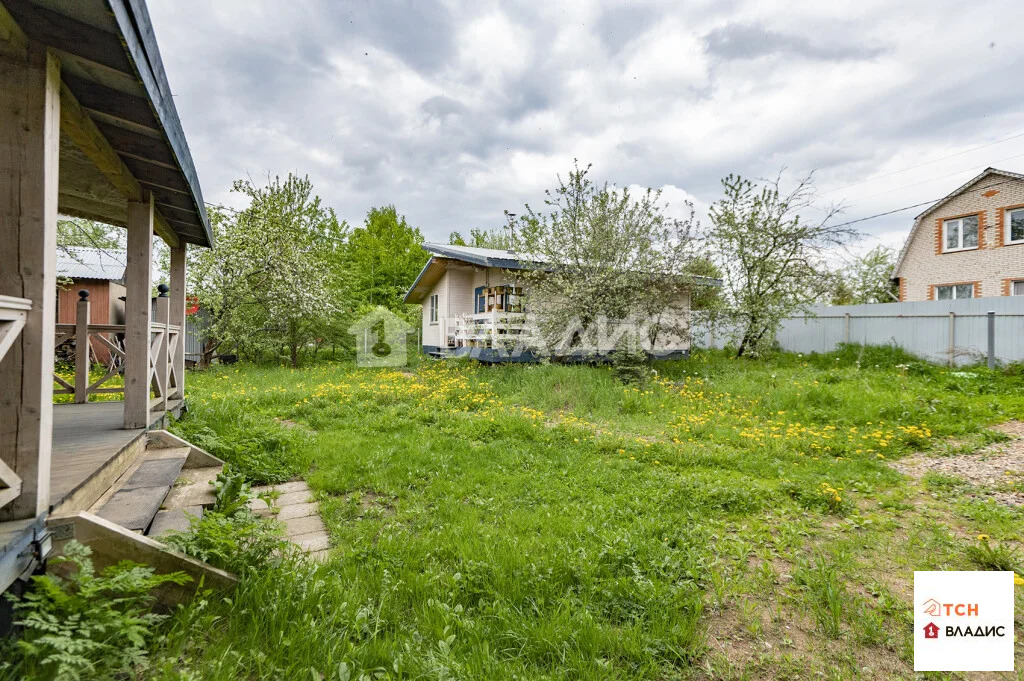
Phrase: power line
[920,165]
[933,179]
[916,205]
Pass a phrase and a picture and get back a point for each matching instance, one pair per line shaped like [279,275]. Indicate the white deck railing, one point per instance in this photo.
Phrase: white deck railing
[484,329]
[13,314]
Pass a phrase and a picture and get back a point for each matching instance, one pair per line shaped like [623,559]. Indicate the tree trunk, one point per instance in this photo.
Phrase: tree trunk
[294,348]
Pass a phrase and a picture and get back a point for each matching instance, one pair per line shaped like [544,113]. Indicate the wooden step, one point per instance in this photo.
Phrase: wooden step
[136,501]
[173,520]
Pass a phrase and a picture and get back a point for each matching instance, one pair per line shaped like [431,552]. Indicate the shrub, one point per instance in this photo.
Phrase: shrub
[86,625]
[230,535]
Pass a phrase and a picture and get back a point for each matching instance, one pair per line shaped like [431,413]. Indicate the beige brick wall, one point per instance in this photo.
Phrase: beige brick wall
[989,268]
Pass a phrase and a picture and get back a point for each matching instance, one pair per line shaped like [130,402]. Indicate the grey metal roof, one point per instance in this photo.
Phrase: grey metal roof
[502,259]
[487,257]
[79,262]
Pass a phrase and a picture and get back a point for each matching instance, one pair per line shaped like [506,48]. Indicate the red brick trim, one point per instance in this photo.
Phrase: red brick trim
[1004,288]
[902,288]
[938,236]
[1001,224]
[932,287]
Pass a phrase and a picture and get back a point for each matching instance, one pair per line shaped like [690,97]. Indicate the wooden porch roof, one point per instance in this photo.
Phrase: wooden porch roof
[120,132]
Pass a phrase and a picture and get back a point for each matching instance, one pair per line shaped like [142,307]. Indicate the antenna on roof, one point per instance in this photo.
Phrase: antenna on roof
[511,217]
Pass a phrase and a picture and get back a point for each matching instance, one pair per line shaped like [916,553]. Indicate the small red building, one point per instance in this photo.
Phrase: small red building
[101,273]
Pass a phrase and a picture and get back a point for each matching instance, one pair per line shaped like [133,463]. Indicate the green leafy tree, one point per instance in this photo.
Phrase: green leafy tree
[72,232]
[772,259]
[482,238]
[384,256]
[866,279]
[605,252]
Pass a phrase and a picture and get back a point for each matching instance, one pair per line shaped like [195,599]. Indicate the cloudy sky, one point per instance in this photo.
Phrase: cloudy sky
[455,112]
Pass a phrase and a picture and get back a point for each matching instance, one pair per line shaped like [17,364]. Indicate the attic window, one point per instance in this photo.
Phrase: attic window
[1015,222]
[960,234]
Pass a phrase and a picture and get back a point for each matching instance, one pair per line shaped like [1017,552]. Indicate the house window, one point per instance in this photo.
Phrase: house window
[1015,226]
[433,309]
[1017,288]
[954,292]
[960,234]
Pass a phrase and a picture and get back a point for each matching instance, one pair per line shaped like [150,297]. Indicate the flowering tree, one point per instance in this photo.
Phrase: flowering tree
[269,280]
[771,258]
[605,253]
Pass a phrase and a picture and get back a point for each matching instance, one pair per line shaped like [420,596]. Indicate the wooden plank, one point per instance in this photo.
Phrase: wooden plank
[138,284]
[112,544]
[152,176]
[53,28]
[179,257]
[130,143]
[133,508]
[81,130]
[174,520]
[114,106]
[29,154]
[13,42]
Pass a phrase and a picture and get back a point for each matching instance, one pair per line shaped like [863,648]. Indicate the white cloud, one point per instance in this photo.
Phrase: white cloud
[457,111]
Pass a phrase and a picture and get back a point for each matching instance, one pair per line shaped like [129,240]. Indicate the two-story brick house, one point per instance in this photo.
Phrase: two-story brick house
[969,244]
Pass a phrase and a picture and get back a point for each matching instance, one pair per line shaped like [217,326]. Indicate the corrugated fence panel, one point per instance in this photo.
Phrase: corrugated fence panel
[925,329]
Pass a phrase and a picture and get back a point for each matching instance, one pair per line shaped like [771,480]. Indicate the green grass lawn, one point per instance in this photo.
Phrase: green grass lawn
[731,519]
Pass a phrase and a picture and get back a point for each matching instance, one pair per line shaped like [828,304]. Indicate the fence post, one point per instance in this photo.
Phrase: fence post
[82,359]
[846,329]
[991,339]
[952,337]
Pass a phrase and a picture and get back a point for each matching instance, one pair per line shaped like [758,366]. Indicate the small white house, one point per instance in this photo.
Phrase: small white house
[475,302]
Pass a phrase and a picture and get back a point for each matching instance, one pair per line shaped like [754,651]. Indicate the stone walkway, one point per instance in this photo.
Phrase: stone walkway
[995,469]
[295,507]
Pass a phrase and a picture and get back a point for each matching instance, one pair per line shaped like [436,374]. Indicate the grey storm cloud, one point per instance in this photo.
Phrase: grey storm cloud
[455,112]
[749,41]
[441,107]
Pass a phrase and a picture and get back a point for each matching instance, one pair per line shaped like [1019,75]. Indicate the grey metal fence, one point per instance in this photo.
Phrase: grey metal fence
[954,332]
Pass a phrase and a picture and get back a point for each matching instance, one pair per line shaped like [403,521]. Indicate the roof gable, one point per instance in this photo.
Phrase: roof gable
[999,176]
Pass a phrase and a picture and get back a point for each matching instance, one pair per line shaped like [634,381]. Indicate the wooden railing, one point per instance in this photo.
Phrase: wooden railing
[88,338]
[483,330]
[13,315]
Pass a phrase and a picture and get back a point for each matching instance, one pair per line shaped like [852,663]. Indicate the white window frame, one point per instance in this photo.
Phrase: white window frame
[433,307]
[1008,227]
[1013,285]
[960,234]
[953,287]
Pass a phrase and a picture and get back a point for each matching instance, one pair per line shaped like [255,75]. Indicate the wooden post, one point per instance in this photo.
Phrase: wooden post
[138,283]
[162,360]
[29,153]
[82,358]
[177,304]
[846,329]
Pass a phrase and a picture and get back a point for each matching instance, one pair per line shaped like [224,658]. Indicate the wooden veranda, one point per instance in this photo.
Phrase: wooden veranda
[88,128]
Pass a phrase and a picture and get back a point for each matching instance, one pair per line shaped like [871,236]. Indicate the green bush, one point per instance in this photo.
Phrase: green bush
[230,535]
[84,625]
